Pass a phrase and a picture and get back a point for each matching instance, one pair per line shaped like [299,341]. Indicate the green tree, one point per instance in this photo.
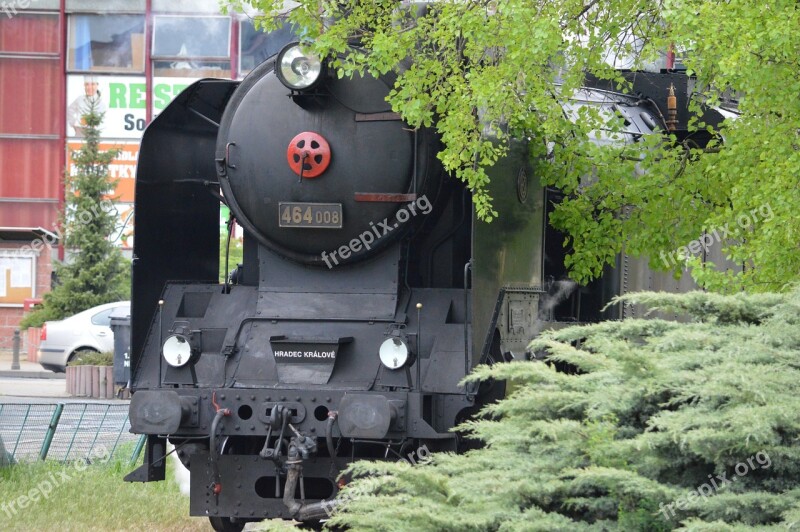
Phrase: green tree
[97,273]
[481,72]
[640,425]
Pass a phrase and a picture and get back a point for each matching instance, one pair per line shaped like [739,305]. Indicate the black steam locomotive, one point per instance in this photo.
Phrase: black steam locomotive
[368,290]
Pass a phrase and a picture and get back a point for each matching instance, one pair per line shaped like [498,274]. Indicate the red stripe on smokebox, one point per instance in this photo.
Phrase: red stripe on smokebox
[379,197]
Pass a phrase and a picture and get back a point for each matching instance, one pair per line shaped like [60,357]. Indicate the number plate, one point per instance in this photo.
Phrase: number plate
[310,215]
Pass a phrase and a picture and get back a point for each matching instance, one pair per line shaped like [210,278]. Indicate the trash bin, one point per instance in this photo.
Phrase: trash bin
[121,327]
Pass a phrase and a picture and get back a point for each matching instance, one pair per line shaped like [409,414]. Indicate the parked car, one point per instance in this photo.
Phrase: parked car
[86,331]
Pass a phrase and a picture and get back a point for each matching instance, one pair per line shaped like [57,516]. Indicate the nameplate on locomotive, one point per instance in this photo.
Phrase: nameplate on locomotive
[310,215]
[304,351]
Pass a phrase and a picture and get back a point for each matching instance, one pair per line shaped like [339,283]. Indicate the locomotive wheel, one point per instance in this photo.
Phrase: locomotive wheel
[226,524]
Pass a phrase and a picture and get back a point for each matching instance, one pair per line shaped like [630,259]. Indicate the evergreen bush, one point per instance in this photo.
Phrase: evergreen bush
[643,424]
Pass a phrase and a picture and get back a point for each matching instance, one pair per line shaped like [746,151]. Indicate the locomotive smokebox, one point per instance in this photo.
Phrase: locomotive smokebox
[308,172]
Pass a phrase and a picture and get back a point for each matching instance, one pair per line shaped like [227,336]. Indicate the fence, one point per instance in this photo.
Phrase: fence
[64,431]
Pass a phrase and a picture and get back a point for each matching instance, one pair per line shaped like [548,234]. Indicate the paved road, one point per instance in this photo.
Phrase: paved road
[48,388]
[26,369]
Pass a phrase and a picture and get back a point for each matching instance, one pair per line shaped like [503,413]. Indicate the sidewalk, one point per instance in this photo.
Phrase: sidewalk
[28,370]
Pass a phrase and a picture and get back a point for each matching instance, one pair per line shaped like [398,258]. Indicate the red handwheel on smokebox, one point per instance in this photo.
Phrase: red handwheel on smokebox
[309,154]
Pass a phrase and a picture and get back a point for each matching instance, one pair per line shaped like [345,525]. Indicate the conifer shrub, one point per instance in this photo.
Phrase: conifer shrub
[97,273]
[643,424]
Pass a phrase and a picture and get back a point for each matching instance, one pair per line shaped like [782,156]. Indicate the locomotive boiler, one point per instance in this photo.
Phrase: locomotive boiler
[367,291]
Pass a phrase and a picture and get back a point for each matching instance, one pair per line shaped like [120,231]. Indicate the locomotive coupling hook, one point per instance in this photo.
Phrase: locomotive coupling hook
[301,448]
[279,418]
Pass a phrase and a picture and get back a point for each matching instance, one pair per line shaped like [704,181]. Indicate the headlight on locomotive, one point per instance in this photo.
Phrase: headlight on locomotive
[394,353]
[177,351]
[297,69]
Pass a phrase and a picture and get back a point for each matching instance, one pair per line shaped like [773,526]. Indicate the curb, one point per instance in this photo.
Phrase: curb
[32,374]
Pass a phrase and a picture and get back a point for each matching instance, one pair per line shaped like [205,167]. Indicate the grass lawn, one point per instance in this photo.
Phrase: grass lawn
[91,497]
[81,497]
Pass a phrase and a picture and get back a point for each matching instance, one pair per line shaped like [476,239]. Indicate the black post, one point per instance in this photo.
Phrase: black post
[15,360]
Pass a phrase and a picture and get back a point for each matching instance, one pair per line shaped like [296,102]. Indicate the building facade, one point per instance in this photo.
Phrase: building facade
[134,56]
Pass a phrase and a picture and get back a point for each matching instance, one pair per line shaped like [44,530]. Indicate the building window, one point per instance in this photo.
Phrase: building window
[192,7]
[191,46]
[255,46]
[17,277]
[106,43]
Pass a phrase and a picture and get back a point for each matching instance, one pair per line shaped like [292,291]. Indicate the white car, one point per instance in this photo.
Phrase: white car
[86,331]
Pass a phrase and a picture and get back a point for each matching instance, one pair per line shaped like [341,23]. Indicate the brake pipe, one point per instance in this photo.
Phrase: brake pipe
[216,486]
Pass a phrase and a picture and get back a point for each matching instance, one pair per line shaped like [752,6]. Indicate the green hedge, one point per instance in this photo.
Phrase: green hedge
[635,425]
[93,358]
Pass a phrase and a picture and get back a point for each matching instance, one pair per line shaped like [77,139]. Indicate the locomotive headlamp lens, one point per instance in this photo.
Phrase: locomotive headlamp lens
[177,351]
[296,69]
[394,353]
